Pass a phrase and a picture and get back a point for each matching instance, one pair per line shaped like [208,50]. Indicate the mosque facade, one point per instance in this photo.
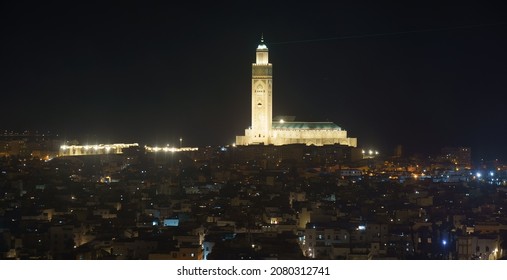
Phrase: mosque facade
[282,131]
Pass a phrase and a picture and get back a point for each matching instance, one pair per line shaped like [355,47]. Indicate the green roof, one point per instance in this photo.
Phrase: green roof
[306,125]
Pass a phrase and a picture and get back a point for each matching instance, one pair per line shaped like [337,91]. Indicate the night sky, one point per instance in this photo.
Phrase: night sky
[422,75]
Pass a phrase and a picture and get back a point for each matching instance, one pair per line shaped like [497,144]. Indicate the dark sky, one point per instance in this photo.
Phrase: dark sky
[422,74]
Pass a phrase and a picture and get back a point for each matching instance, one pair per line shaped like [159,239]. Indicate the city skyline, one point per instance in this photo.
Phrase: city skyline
[424,76]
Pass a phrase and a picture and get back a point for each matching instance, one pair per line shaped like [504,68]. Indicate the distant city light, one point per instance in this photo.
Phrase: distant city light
[370,153]
[170,149]
[79,150]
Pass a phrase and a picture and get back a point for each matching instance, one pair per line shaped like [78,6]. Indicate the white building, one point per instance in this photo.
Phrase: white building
[281,132]
[100,149]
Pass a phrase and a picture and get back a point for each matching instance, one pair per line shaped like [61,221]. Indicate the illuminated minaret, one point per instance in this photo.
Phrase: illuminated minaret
[262,98]
[283,132]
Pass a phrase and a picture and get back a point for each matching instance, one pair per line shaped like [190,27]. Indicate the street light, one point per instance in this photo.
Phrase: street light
[181,141]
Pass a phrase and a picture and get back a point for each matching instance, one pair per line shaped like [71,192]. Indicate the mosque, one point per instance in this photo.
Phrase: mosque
[282,131]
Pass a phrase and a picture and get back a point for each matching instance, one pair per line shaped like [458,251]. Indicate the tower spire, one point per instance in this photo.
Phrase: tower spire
[262,45]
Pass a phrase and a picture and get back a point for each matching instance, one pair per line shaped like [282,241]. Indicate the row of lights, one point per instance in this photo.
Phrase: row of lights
[370,152]
[169,149]
[98,147]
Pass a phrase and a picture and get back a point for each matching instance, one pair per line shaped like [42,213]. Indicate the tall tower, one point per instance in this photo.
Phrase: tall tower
[262,99]
[264,131]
